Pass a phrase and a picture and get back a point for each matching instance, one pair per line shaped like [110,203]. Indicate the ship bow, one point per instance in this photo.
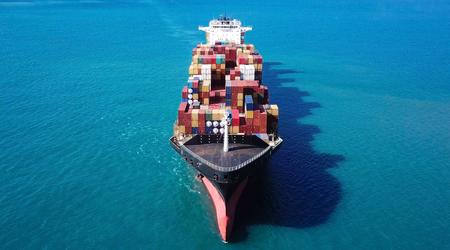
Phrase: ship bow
[225,208]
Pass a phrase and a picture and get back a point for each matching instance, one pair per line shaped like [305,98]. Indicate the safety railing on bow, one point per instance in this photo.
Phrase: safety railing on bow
[225,169]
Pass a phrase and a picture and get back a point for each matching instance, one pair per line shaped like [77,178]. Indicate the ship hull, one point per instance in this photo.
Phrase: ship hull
[225,181]
[224,187]
[225,209]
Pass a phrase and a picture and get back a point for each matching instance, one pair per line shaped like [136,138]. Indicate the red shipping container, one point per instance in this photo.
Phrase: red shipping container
[181,113]
[242,60]
[201,117]
[187,117]
[242,129]
[235,117]
[249,121]
[182,106]
[184,92]
[263,122]
[180,118]
[188,128]
[214,106]
[256,118]
[246,129]
[195,84]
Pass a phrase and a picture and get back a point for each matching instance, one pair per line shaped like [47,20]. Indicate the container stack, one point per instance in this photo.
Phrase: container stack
[226,77]
[235,74]
[247,72]
[230,54]
[206,83]
[228,92]
[247,55]
[272,117]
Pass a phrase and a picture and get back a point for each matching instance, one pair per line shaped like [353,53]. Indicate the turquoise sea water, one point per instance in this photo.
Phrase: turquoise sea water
[89,91]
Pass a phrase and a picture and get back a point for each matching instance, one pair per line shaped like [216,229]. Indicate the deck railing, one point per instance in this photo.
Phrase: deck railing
[225,169]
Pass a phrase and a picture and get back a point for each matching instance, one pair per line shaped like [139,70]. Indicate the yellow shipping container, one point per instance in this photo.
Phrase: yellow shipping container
[194,115]
[213,66]
[222,66]
[240,96]
[249,114]
[194,123]
[218,114]
[250,59]
[214,114]
[195,96]
[235,129]
[181,129]
[206,101]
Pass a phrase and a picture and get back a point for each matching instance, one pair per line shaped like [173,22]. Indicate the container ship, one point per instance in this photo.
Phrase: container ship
[226,128]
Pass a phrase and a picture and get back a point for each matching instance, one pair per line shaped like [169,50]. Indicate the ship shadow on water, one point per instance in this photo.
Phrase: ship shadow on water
[295,189]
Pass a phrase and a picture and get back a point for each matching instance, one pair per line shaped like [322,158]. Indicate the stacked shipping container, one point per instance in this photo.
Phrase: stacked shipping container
[226,79]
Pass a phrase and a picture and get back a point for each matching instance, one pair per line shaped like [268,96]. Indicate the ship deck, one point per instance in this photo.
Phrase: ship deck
[237,153]
[210,148]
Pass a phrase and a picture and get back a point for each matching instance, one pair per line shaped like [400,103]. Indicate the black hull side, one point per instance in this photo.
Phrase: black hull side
[225,181]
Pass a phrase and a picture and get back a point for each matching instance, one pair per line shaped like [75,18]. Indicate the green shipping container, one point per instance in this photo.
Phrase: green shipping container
[208,115]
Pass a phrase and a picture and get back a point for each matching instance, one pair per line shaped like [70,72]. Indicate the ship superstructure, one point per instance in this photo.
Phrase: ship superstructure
[225,30]
[226,127]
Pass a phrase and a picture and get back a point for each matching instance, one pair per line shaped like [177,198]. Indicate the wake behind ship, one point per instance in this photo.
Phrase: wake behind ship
[226,128]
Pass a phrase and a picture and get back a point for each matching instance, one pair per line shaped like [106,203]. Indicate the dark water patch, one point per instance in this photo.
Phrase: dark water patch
[294,189]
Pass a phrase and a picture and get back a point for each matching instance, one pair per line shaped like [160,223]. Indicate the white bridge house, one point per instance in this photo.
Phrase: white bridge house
[225,29]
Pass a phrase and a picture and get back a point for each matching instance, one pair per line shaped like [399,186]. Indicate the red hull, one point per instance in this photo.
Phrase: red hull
[225,210]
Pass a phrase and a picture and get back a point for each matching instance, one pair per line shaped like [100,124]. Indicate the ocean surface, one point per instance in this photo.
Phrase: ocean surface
[89,92]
